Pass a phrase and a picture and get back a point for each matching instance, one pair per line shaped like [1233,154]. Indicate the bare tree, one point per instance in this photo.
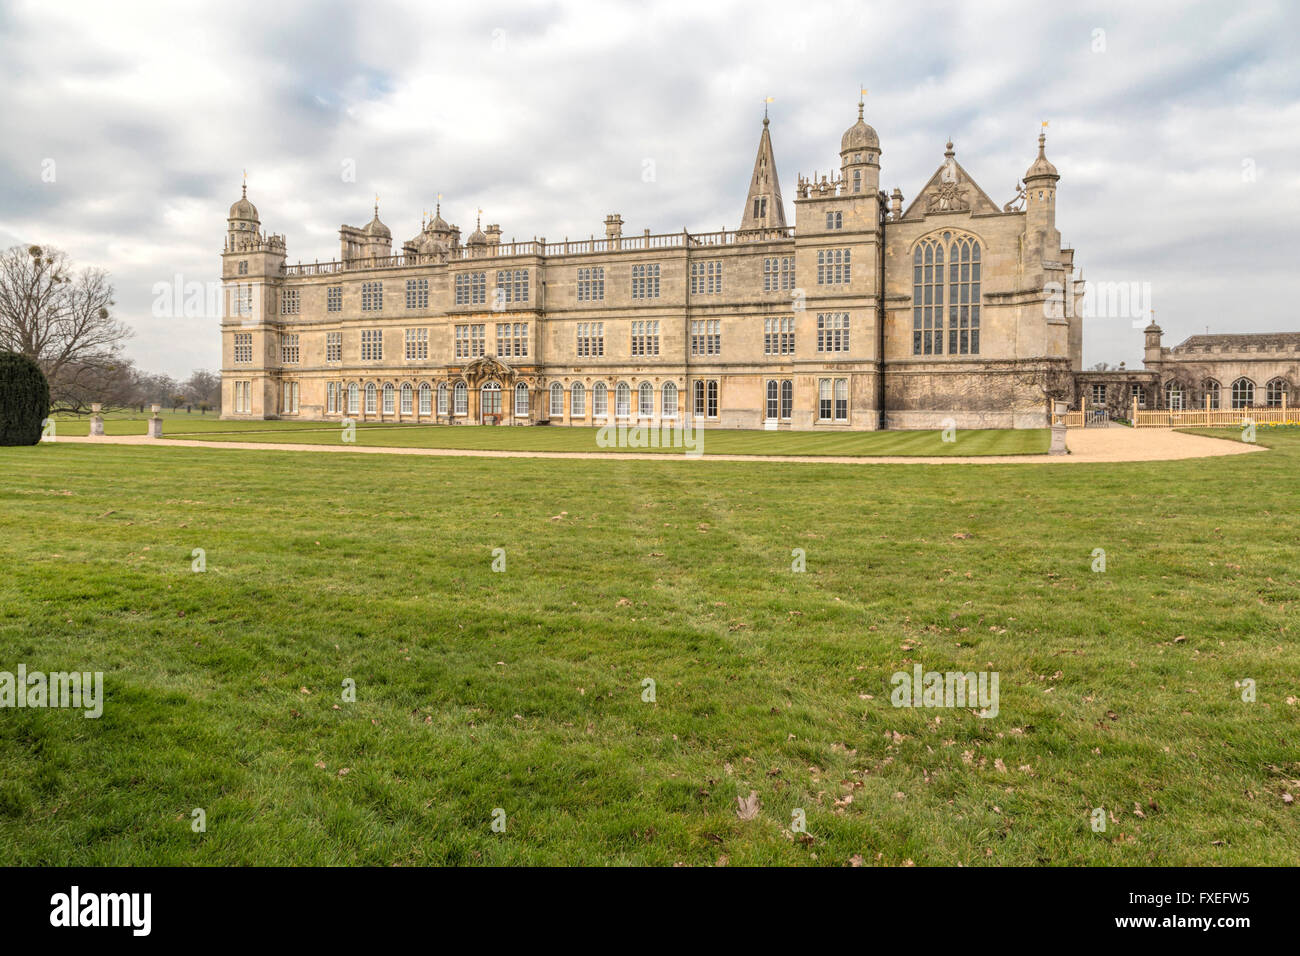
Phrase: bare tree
[203,388]
[60,319]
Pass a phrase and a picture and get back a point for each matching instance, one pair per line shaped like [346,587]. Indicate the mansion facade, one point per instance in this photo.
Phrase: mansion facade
[864,313]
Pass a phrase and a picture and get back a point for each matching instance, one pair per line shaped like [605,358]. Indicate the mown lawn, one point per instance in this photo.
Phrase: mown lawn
[581,439]
[522,690]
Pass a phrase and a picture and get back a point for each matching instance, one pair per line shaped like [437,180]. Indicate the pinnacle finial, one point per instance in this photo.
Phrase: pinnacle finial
[862,96]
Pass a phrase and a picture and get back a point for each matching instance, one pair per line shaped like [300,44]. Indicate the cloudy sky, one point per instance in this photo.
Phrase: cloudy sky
[1175,127]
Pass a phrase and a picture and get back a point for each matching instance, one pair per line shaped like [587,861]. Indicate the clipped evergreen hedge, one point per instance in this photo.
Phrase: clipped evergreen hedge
[24,400]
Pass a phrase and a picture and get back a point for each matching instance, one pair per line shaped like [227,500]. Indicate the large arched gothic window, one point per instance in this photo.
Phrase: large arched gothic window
[946,297]
[1211,390]
[1243,393]
[1173,396]
[1276,389]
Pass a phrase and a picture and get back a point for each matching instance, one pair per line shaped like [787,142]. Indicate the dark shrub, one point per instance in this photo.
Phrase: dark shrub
[24,400]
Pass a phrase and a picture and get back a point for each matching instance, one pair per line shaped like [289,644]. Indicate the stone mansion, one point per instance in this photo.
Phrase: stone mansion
[864,313]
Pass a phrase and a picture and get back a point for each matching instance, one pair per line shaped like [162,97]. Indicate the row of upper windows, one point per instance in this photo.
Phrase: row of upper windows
[470,288]
[470,340]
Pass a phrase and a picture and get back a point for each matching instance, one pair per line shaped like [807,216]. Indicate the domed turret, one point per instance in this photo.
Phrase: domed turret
[242,225]
[377,228]
[859,136]
[477,240]
[438,224]
[243,209]
[860,157]
[1041,168]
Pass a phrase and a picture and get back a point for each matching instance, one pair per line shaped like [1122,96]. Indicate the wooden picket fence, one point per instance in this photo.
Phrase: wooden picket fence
[1223,418]
[1188,417]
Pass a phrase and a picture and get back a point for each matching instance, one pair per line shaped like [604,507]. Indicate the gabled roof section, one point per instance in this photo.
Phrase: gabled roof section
[950,189]
[764,186]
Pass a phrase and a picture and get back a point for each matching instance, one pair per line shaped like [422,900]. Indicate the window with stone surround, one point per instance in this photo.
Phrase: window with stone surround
[778,273]
[512,286]
[645,337]
[832,331]
[470,341]
[591,339]
[372,345]
[334,346]
[290,301]
[645,282]
[417,344]
[417,293]
[1243,393]
[778,335]
[591,284]
[289,349]
[372,296]
[946,276]
[706,336]
[706,277]
[834,266]
[334,299]
[512,339]
[243,347]
[471,288]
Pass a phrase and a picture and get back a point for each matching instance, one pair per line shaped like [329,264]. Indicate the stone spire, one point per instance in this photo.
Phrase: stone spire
[763,206]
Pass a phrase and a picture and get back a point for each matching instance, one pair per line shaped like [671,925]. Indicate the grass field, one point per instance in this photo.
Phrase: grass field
[577,439]
[523,690]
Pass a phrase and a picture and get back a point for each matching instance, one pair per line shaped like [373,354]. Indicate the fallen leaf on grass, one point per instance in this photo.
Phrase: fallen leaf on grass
[747,807]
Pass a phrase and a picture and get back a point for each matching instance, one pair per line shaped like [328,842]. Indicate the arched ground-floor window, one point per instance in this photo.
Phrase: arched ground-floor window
[1243,393]
[669,404]
[1276,389]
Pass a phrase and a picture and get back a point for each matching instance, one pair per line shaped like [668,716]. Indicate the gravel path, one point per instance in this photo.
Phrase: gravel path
[1087,445]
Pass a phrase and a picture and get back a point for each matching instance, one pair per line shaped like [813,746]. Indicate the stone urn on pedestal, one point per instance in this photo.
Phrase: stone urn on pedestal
[96,420]
[155,423]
